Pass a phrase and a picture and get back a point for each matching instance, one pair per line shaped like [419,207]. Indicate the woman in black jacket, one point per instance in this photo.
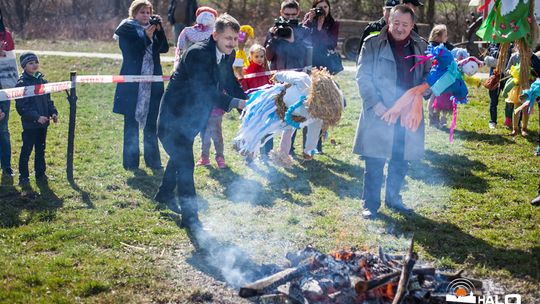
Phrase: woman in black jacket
[141,39]
[324,31]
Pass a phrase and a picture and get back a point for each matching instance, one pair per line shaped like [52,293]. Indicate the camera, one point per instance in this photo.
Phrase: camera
[319,12]
[285,27]
[154,20]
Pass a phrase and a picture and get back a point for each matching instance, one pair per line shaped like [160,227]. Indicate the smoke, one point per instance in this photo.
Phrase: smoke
[241,241]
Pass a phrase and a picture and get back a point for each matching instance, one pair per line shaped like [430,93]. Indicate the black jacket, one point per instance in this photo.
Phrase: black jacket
[285,55]
[133,47]
[31,108]
[371,28]
[197,85]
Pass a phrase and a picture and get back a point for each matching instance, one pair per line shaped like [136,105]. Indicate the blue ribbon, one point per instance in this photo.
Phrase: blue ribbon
[290,110]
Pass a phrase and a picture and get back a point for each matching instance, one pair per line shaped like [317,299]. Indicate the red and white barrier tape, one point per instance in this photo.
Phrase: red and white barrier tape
[22,92]
[29,91]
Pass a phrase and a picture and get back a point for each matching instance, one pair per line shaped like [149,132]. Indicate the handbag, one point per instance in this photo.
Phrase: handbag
[492,82]
[334,63]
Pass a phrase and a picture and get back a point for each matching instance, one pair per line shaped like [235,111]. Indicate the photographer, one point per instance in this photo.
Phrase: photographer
[141,39]
[323,30]
[287,42]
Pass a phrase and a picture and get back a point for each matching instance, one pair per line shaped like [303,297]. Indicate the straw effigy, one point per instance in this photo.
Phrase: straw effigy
[324,100]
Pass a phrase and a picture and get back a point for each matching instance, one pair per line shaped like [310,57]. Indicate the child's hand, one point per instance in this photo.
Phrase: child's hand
[42,120]
[55,118]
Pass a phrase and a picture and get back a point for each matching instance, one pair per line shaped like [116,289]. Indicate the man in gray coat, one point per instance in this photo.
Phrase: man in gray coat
[383,76]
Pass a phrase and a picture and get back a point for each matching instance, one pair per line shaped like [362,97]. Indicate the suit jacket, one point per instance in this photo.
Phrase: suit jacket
[197,85]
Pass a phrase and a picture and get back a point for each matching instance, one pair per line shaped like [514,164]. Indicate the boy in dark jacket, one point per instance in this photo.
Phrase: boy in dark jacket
[36,112]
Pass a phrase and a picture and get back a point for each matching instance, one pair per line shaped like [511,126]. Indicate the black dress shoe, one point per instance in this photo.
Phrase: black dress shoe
[536,201]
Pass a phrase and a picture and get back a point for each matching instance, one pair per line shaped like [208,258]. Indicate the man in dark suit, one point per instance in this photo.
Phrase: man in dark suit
[204,79]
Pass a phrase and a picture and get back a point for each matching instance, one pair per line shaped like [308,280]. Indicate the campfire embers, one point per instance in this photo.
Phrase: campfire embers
[351,276]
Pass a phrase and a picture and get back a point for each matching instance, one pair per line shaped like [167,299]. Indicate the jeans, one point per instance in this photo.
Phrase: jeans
[33,138]
[5,142]
[397,170]
[131,151]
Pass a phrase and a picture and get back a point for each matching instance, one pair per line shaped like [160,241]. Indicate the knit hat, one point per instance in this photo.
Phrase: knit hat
[206,16]
[27,57]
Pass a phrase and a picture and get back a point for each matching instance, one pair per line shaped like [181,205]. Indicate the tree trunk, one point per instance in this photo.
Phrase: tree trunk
[431,13]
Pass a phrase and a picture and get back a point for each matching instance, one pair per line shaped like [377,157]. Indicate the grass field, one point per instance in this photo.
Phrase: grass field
[103,240]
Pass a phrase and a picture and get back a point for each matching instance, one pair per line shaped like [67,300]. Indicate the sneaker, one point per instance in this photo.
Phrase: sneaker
[204,161]
[492,125]
[220,160]
[537,151]
[508,122]
[524,133]
[368,214]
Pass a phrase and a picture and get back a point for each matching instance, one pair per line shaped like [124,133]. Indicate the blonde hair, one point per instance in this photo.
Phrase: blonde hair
[256,48]
[437,32]
[136,6]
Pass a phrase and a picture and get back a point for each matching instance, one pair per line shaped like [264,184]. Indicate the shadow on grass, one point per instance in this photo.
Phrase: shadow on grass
[342,178]
[147,184]
[240,189]
[475,136]
[454,171]
[22,207]
[85,196]
[337,176]
[447,241]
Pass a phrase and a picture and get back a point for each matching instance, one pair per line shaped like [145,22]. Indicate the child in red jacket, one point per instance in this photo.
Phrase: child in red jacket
[256,71]
[255,75]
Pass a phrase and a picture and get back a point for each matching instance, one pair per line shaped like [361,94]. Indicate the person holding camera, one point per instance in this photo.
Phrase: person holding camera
[324,32]
[141,39]
[287,41]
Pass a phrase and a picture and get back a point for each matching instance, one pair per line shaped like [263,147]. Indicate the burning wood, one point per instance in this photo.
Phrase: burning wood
[351,276]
